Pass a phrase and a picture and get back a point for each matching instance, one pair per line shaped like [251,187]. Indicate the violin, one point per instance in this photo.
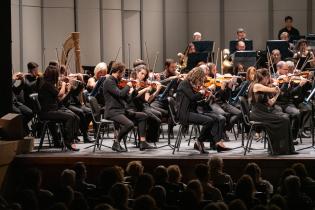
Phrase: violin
[123,83]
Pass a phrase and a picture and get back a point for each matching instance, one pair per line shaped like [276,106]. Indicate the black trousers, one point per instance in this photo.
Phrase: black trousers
[206,122]
[218,128]
[153,123]
[68,118]
[127,122]
[228,110]
[27,114]
[85,115]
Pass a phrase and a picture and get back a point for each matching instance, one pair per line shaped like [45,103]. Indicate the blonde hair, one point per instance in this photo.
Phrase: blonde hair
[100,67]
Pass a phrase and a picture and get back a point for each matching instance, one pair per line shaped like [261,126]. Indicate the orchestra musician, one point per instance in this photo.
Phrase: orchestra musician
[303,55]
[145,92]
[186,103]
[277,123]
[241,35]
[50,97]
[285,36]
[294,33]
[115,108]
[100,70]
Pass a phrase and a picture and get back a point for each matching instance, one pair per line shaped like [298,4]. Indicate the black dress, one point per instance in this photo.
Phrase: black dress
[277,124]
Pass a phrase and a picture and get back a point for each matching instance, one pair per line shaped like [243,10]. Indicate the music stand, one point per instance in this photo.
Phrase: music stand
[204,46]
[282,45]
[195,58]
[248,45]
[245,58]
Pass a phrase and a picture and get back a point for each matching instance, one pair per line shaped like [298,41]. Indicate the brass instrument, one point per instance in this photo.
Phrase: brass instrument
[71,42]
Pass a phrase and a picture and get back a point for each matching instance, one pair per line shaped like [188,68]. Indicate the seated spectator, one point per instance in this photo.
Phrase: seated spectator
[287,172]
[81,174]
[237,204]
[296,199]
[104,206]
[245,190]
[27,199]
[219,179]
[209,192]
[144,185]
[119,194]
[134,169]
[261,185]
[108,177]
[175,186]
[278,200]
[307,183]
[145,202]
[32,180]
[158,193]
[160,176]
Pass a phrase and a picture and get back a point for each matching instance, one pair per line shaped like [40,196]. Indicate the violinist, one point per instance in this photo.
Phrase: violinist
[49,97]
[186,103]
[285,100]
[115,108]
[143,95]
[277,123]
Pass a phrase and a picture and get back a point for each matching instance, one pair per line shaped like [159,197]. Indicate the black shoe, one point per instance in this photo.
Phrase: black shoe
[87,139]
[71,148]
[305,135]
[116,147]
[295,142]
[200,147]
[294,153]
[145,145]
[221,148]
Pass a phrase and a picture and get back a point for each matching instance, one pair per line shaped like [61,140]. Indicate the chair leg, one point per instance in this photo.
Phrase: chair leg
[42,136]
[177,139]
[249,138]
[61,130]
[96,143]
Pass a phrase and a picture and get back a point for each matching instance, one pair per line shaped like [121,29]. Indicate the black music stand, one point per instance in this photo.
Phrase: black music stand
[248,45]
[310,99]
[282,45]
[245,58]
[195,58]
[203,46]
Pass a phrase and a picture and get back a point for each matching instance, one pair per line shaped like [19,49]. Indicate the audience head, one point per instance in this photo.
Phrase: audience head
[134,168]
[279,201]
[202,172]
[80,171]
[144,184]
[58,206]
[68,178]
[145,202]
[196,187]
[119,194]
[174,174]
[237,204]
[110,176]
[292,185]
[300,170]
[245,187]
[32,179]
[158,193]
[28,200]
[254,171]
[103,206]
[160,174]
[215,166]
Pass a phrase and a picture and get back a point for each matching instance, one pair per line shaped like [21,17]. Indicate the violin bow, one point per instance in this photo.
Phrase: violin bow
[146,50]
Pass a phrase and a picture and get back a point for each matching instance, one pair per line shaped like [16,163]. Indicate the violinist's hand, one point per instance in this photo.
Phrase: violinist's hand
[277,89]
[68,87]
[158,86]
[17,76]
[149,88]
[129,84]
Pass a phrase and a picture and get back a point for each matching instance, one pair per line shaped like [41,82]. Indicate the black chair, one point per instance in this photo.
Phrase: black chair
[100,124]
[182,128]
[45,123]
[253,125]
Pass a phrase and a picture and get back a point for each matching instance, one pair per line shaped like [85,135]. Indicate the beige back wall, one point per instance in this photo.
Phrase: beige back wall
[166,26]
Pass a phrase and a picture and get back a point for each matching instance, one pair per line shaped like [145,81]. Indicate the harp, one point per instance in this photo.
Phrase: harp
[72,42]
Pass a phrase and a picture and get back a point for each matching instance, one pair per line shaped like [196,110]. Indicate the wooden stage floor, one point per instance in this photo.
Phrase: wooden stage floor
[53,161]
